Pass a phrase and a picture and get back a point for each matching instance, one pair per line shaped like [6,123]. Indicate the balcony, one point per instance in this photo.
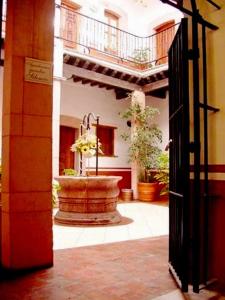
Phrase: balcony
[89,36]
[2,29]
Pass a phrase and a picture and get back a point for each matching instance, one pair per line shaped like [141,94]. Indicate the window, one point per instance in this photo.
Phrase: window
[69,23]
[106,135]
[164,37]
[111,34]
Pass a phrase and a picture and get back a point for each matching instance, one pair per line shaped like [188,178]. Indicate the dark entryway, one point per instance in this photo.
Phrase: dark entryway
[66,157]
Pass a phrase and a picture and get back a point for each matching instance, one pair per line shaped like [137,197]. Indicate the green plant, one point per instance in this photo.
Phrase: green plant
[142,56]
[55,188]
[144,141]
[70,172]
[162,176]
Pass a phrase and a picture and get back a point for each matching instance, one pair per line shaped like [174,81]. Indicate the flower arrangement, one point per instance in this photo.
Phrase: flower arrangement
[86,145]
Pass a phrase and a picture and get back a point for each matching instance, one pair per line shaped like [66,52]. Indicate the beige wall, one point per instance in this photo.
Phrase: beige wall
[78,100]
[216,82]
[163,118]
[216,134]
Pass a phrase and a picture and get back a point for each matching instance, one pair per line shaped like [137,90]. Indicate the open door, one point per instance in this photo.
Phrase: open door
[179,200]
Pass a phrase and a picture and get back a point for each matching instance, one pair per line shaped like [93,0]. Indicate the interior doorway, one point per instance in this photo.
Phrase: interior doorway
[66,157]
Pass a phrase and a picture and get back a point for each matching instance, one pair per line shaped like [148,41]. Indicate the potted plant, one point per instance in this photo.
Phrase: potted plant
[141,58]
[144,148]
[162,175]
[70,172]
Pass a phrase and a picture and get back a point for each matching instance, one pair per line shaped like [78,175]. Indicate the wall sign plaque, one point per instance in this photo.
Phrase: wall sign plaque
[39,71]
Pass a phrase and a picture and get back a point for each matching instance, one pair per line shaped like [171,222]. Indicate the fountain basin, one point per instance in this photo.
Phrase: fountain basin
[88,200]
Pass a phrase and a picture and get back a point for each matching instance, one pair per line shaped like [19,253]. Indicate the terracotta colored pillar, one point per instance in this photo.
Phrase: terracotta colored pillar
[137,96]
[27,136]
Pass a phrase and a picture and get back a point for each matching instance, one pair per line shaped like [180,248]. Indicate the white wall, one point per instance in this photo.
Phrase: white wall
[134,18]
[163,118]
[78,100]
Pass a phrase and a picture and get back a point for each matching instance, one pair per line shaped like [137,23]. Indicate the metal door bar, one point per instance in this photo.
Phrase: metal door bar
[214,4]
[191,13]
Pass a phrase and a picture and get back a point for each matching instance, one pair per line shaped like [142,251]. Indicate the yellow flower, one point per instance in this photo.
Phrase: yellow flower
[86,144]
[84,149]
[93,145]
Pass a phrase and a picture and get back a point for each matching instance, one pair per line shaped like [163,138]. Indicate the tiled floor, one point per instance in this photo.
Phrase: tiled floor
[112,267]
[140,220]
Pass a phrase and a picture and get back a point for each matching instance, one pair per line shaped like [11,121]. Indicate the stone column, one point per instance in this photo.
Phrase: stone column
[137,96]
[27,138]
[58,75]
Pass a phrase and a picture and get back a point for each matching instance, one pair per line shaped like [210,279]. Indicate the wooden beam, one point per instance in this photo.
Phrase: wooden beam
[155,85]
[95,67]
[76,79]
[130,79]
[122,76]
[66,58]
[94,83]
[121,94]
[137,80]
[102,85]
[100,78]
[76,61]
[105,70]
[85,81]
[113,74]
[86,64]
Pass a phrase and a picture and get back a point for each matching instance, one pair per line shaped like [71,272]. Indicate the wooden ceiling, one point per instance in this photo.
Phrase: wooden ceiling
[94,74]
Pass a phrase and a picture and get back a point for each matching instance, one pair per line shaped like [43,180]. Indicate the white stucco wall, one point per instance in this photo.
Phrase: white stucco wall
[78,100]
[134,17]
[163,118]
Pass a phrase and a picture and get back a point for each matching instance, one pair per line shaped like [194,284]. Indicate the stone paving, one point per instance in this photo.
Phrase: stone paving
[140,220]
[124,262]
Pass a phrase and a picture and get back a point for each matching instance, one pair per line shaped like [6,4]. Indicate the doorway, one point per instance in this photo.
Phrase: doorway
[66,157]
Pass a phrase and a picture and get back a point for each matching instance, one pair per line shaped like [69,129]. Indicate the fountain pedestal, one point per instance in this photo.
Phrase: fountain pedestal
[88,200]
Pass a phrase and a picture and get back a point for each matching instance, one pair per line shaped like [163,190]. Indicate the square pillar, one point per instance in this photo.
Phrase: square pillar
[138,97]
[27,138]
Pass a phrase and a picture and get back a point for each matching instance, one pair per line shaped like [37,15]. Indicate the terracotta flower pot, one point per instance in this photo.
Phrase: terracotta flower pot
[148,191]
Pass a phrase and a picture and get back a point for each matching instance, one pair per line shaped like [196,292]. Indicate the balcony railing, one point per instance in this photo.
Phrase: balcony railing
[90,36]
[2,17]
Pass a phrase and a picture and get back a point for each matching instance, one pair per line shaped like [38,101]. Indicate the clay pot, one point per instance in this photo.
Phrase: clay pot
[148,191]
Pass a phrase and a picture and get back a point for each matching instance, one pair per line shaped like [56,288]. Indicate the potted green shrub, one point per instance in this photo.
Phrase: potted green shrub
[141,58]
[144,148]
[162,175]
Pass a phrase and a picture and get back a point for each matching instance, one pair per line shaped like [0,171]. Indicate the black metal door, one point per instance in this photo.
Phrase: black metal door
[179,156]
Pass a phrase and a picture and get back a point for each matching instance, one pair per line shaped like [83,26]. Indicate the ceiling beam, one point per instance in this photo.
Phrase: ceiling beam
[155,85]
[100,78]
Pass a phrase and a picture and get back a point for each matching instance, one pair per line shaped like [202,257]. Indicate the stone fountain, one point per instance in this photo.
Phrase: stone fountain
[88,200]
